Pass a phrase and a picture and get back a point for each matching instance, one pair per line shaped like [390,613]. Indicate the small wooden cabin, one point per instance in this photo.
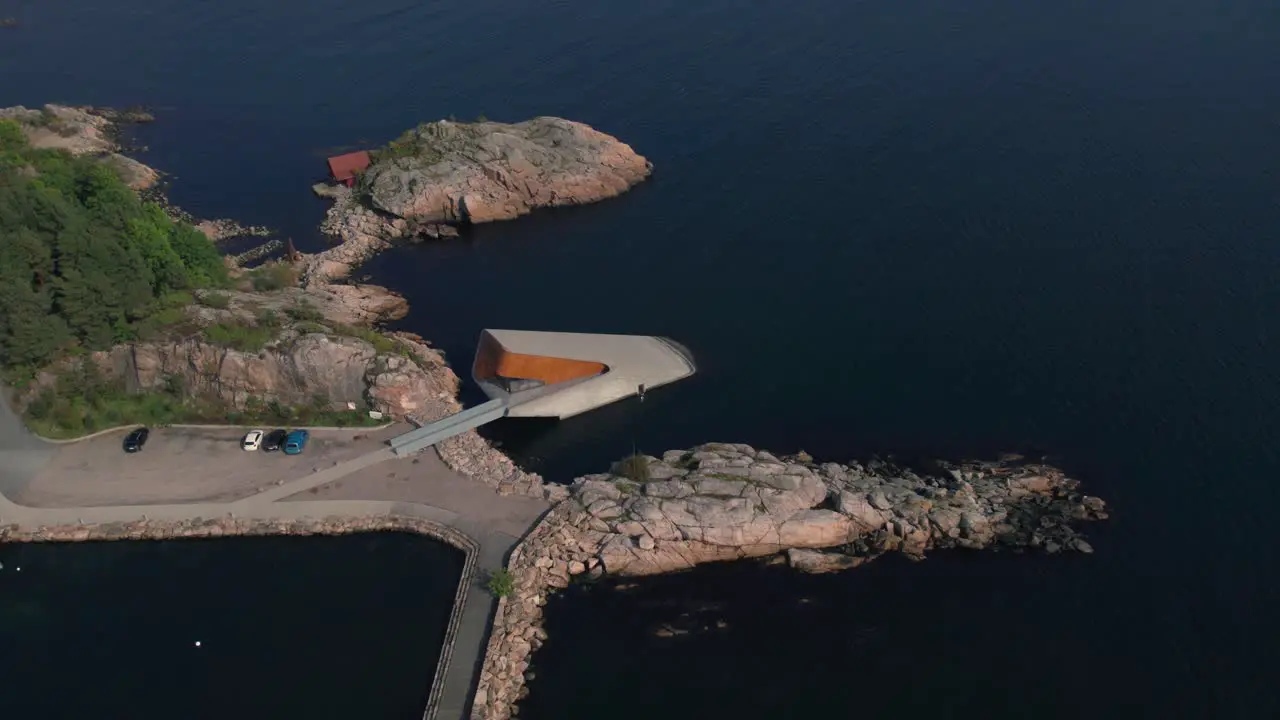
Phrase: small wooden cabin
[345,168]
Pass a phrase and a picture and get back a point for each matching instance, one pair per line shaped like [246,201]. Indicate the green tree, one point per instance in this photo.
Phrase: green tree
[82,258]
[149,233]
[200,257]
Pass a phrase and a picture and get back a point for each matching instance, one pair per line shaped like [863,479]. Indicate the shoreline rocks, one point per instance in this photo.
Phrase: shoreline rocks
[361,234]
[723,501]
[216,230]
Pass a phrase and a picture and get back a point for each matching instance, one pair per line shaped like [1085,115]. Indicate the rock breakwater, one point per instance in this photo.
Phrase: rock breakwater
[229,526]
[724,501]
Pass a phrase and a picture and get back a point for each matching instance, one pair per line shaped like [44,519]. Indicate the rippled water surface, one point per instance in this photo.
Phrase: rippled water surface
[287,627]
[923,227]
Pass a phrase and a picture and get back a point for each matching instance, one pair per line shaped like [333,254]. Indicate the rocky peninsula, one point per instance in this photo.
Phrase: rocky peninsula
[724,501]
[97,132]
[281,333]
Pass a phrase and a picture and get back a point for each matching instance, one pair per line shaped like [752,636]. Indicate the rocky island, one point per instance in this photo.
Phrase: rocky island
[445,173]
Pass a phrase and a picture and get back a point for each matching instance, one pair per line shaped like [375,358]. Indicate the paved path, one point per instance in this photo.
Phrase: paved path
[494,522]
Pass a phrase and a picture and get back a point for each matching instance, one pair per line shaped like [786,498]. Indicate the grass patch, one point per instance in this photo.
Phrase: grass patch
[166,316]
[273,412]
[304,311]
[271,276]
[415,143]
[500,583]
[217,301]
[381,343]
[267,317]
[56,416]
[310,327]
[238,336]
[81,402]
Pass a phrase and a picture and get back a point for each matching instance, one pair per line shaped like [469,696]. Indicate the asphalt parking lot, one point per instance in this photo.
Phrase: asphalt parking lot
[184,465]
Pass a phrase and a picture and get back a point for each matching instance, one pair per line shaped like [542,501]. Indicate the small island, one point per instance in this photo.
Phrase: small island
[446,173]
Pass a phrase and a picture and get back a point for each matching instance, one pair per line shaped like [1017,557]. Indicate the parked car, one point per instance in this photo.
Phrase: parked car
[274,440]
[134,441]
[252,440]
[295,442]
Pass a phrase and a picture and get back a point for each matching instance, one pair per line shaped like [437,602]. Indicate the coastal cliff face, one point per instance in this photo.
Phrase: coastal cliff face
[724,501]
[316,352]
[484,171]
[311,369]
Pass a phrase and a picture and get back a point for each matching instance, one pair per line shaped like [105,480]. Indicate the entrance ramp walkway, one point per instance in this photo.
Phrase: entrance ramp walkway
[458,423]
[445,428]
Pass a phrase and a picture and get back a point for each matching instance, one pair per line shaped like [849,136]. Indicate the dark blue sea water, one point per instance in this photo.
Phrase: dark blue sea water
[921,227]
[287,627]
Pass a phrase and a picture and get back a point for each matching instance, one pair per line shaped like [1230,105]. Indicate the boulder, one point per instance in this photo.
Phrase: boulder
[817,528]
[817,562]
[862,512]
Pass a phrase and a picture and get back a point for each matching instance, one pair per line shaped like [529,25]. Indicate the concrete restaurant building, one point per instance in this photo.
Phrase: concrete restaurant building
[560,374]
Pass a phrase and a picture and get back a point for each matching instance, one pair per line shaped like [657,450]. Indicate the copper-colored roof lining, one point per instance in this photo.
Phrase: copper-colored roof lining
[493,360]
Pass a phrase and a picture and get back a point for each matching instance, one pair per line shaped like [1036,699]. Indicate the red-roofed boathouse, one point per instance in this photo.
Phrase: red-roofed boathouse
[345,168]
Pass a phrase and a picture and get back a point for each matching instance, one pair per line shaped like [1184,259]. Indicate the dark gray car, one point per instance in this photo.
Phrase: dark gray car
[274,439]
[134,441]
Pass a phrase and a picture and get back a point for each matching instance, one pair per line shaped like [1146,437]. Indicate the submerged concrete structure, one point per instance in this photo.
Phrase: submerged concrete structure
[529,373]
[561,374]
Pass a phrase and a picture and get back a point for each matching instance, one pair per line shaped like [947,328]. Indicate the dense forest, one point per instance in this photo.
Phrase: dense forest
[83,261]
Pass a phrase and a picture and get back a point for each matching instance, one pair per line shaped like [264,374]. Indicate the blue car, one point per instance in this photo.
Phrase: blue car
[295,441]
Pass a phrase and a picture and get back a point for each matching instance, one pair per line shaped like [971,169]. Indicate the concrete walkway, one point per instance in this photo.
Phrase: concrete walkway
[430,491]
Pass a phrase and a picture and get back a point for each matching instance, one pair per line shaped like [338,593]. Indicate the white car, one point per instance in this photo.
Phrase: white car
[252,441]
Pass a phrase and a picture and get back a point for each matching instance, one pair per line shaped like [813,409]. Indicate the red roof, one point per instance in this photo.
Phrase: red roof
[345,167]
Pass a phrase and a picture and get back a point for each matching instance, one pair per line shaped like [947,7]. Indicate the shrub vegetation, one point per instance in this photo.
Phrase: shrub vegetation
[633,467]
[500,583]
